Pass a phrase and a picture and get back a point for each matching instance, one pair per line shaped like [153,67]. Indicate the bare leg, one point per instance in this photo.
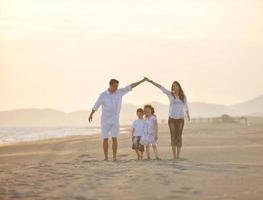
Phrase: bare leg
[138,155]
[148,151]
[114,148]
[178,152]
[174,151]
[141,155]
[155,151]
[180,131]
[105,148]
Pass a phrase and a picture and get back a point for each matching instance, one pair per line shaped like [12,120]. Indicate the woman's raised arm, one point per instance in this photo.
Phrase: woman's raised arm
[155,84]
[163,89]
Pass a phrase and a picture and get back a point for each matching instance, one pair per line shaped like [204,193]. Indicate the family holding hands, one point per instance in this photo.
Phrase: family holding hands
[145,128]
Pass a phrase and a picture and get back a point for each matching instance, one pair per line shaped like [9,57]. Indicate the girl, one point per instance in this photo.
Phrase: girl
[150,134]
[178,110]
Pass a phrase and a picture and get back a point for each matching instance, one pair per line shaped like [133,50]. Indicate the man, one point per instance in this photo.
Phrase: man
[111,101]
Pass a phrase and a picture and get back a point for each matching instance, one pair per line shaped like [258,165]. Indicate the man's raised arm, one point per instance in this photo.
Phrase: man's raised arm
[133,85]
[163,89]
[128,88]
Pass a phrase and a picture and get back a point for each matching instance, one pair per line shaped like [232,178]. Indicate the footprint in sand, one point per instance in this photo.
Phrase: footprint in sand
[243,167]
[122,155]
[181,168]
[146,179]
[64,163]
[175,197]
[196,192]
[186,188]
[80,198]
[84,156]
[89,161]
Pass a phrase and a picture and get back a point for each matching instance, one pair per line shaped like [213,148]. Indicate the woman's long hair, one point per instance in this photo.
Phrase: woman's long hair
[181,92]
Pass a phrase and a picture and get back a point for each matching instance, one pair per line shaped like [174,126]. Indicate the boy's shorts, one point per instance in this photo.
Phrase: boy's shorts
[136,143]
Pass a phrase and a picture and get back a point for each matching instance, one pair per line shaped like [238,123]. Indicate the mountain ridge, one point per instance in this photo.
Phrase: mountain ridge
[55,117]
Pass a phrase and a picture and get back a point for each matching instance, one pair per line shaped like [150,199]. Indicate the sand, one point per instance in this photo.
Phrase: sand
[219,161]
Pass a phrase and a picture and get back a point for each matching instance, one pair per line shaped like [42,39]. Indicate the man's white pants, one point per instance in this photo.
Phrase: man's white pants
[110,127]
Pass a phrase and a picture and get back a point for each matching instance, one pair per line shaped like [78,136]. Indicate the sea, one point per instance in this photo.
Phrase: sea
[20,134]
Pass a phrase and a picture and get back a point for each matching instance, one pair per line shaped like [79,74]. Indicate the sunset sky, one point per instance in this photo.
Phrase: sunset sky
[61,53]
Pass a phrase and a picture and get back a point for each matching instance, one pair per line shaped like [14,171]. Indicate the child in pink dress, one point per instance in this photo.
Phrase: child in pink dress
[150,133]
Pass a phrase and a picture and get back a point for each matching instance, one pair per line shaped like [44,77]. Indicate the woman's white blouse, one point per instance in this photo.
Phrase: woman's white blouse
[177,109]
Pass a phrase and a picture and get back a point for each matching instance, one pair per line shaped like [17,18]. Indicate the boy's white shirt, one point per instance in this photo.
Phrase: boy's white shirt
[138,126]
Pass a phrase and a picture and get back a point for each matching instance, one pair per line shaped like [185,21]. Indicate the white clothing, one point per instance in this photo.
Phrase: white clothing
[113,128]
[111,106]
[138,126]
[177,109]
[149,132]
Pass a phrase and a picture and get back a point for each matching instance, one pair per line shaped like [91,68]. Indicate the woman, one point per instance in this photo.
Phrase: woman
[178,111]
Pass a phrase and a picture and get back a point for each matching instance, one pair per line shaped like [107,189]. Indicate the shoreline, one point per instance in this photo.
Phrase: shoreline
[47,140]
[124,129]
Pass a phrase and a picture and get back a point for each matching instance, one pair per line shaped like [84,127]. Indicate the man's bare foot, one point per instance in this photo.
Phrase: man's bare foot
[105,159]
[114,159]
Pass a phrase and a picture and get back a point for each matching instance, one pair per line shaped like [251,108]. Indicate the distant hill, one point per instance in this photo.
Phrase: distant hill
[52,117]
[251,107]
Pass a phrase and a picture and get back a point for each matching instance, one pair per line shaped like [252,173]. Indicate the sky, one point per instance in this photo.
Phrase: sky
[62,54]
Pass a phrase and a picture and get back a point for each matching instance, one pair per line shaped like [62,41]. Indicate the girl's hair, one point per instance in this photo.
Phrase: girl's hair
[151,107]
[181,92]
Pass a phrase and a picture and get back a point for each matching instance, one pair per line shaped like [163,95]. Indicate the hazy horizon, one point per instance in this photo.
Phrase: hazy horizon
[61,54]
[126,103]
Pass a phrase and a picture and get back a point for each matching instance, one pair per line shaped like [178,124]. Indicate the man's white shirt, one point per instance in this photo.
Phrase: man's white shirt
[111,104]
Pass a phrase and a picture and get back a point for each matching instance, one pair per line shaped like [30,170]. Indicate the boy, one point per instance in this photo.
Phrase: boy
[137,131]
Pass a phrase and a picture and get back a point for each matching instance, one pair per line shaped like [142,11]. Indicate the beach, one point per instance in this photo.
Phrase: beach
[218,161]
